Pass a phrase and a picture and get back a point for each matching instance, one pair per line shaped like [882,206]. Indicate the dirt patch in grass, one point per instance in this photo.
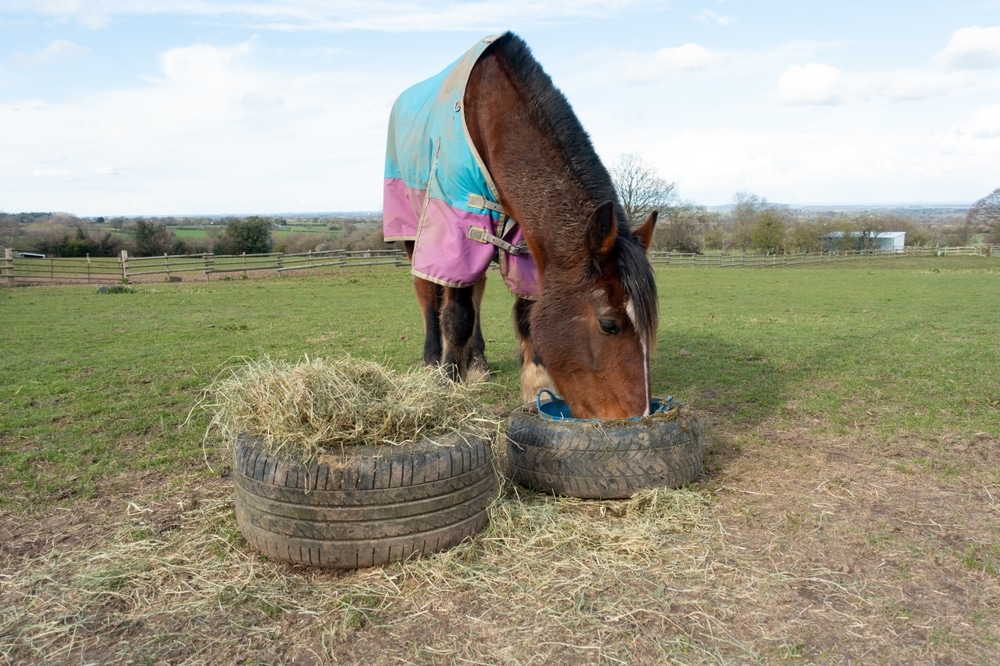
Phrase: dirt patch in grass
[862,557]
[799,546]
[86,524]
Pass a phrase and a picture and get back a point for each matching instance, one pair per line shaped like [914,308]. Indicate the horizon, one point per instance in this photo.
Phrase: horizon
[132,109]
[954,206]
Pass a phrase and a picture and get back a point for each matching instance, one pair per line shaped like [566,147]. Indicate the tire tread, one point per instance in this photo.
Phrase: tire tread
[610,461]
[365,506]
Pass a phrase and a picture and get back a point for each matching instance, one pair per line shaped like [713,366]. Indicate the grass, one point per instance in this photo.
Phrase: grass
[848,512]
[94,384]
[895,348]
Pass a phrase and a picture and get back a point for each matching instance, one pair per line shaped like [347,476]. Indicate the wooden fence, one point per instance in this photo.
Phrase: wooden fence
[779,260]
[16,270]
[21,270]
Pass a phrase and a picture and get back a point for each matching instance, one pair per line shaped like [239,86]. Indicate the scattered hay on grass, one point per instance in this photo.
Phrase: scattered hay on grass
[318,404]
[201,581]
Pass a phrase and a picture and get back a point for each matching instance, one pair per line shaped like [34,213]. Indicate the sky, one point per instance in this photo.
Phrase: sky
[215,107]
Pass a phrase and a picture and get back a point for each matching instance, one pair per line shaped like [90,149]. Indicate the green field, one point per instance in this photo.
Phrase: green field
[821,380]
[200,234]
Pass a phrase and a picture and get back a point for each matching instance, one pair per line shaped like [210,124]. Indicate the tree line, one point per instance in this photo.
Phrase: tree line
[63,235]
[751,224]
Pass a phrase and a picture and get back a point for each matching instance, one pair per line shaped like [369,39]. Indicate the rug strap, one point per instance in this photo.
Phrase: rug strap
[481,235]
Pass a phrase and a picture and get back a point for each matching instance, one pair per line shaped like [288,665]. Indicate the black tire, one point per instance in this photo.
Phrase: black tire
[604,459]
[366,505]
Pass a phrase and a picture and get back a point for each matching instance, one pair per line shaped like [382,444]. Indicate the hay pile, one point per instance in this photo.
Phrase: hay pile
[318,404]
[545,572]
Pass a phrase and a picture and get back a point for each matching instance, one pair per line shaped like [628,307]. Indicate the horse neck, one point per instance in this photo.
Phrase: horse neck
[552,211]
[535,180]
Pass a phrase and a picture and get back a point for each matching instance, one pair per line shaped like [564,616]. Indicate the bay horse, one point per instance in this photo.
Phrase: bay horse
[490,141]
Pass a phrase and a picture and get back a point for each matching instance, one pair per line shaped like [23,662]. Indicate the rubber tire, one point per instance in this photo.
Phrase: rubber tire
[605,460]
[363,506]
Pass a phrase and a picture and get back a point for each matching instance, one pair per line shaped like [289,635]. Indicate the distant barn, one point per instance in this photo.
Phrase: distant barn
[884,241]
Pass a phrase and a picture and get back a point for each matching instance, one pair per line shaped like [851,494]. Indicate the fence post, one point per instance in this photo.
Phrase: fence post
[123,258]
[8,263]
[166,263]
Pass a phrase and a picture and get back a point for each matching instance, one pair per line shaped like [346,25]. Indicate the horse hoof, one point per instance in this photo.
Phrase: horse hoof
[603,459]
[478,372]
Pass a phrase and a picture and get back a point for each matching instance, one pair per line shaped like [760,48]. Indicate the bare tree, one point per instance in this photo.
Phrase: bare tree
[641,189]
[746,208]
[984,216]
[681,230]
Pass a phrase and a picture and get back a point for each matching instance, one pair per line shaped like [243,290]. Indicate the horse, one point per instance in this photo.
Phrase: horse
[533,196]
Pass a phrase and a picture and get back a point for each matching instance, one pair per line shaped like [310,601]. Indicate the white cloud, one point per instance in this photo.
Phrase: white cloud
[972,48]
[815,84]
[211,133]
[708,16]
[912,85]
[845,164]
[951,72]
[344,15]
[89,14]
[810,84]
[983,125]
[223,129]
[52,174]
[261,102]
[57,51]
[647,67]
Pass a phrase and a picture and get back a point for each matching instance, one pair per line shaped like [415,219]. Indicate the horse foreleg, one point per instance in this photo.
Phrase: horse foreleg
[478,369]
[429,298]
[534,376]
[453,336]
[458,323]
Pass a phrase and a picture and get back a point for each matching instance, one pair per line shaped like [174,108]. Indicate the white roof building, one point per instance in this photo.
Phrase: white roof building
[885,241]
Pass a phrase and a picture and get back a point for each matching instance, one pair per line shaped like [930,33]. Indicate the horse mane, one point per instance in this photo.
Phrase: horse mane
[550,108]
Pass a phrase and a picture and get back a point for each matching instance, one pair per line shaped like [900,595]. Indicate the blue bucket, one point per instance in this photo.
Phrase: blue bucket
[556,409]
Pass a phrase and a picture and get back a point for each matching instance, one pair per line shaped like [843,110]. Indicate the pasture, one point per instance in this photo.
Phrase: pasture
[849,511]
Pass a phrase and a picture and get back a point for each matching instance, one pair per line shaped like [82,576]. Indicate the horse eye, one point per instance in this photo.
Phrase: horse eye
[610,326]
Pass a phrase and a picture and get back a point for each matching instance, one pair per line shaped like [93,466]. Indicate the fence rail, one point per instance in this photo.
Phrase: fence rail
[16,269]
[778,260]
[21,270]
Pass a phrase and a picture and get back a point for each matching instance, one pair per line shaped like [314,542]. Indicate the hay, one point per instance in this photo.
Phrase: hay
[196,593]
[318,404]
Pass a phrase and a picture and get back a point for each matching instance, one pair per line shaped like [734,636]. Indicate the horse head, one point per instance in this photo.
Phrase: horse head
[594,325]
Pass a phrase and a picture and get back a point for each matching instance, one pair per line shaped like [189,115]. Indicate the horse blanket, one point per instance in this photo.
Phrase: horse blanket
[439,194]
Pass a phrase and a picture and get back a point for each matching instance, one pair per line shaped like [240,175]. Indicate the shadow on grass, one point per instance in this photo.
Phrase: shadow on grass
[733,386]
[740,381]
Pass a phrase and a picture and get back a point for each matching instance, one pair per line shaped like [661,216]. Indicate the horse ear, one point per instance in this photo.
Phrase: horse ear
[602,230]
[645,232]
